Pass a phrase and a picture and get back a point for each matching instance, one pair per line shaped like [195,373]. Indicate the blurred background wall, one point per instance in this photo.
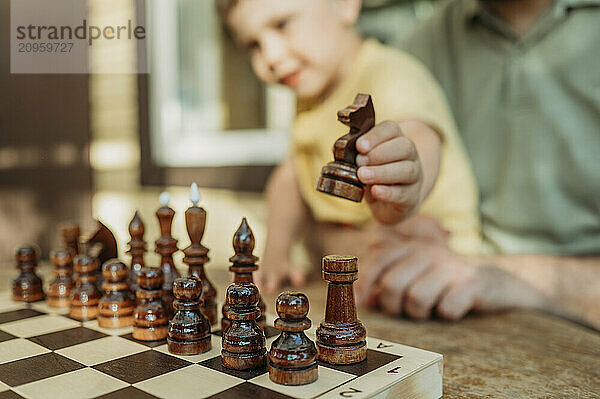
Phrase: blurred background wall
[73,147]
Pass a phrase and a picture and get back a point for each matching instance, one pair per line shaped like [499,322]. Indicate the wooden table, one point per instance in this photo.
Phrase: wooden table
[505,355]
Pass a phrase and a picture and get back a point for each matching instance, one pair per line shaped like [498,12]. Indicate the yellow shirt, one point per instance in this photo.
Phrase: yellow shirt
[402,89]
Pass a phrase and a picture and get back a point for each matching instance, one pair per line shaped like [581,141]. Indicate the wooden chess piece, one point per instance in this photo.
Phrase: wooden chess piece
[137,249]
[166,246]
[70,233]
[293,356]
[341,337]
[85,295]
[339,177]
[151,316]
[27,287]
[100,241]
[116,305]
[189,330]
[243,264]
[59,290]
[243,342]
[196,255]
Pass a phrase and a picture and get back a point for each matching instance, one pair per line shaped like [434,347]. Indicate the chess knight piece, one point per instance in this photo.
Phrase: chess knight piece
[60,289]
[196,255]
[166,246]
[189,330]
[341,337]
[243,264]
[243,342]
[27,287]
[293,357]
[339,177]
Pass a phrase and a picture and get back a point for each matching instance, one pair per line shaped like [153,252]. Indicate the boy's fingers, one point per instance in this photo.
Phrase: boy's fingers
[401,172]
[378,134]
[425,291]
[459,300]
[297,277]
[396,149]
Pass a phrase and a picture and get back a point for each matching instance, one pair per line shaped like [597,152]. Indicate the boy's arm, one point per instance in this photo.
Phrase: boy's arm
[399,164]
[286,213]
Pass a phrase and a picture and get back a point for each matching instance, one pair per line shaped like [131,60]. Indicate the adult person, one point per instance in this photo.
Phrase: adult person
[523,80]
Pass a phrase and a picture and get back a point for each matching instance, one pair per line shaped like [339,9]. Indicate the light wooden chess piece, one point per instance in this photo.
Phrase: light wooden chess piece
[341,337]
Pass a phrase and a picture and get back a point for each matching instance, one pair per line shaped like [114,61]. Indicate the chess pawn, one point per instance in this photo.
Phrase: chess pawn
[341,337]
[85,295]
[166,246]
[27,287]
[151,316]
[196,254]
[189,330]
[59,290]
[70,233]
[339,177]
[243,342]
[137,249]
[293,357]
[117,304]
[243,264]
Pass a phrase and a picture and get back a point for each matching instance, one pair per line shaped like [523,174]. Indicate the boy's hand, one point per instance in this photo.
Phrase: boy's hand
[271,275]
[390,167]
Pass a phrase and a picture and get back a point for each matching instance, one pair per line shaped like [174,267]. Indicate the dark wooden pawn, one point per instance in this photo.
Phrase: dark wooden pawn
[339,177]
[117,304]
[27,286]
[166,246]
[137,249]
[341,337]
[151,316]
[59,290]
[293,356]
[196,255]
[85,295]
[243,264]
[70,233]
[189,330]
[243,342]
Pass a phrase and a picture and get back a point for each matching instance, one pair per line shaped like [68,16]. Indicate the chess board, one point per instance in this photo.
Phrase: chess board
[45,354]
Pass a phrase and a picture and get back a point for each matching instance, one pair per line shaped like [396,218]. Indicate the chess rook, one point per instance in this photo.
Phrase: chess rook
[117,304]
[27,286]
[166,246]
[243,342]
[196,254]
[243,264]
[137,249]
[189,330]
[59,290]
[293,356]
[151,316]
[339,177]
[341,336]
[85,295]
[70,233]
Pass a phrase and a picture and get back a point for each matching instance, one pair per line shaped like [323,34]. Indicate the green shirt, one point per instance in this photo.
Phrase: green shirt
[528,110]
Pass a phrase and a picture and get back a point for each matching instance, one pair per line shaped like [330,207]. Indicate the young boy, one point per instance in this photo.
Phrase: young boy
[311,46]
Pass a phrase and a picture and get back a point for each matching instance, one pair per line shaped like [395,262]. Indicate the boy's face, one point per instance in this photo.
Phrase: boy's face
[298,43]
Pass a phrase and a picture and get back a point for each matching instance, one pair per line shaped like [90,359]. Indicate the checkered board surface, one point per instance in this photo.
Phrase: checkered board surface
[45,354]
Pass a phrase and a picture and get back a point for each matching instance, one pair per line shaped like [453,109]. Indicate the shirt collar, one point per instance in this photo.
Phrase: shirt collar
[473,9]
